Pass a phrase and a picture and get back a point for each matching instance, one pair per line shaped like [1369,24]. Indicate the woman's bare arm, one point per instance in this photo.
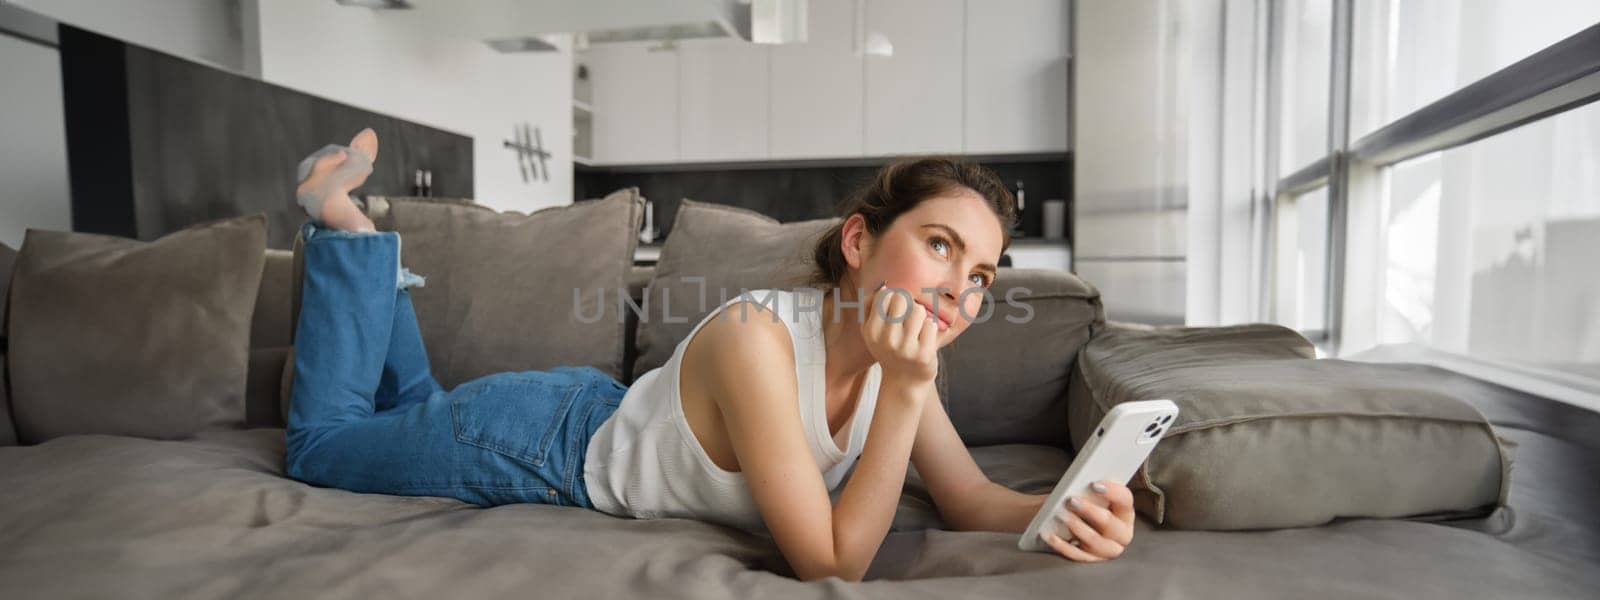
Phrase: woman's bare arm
[872,494]
[968,500]
[752,378]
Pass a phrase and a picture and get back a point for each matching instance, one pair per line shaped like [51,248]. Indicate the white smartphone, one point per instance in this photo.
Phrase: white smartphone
[1118,446]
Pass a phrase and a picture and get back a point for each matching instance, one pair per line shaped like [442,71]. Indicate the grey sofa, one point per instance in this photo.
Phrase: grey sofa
[214,516]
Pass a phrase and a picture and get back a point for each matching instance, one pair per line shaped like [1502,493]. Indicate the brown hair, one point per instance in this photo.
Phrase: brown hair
[900,187]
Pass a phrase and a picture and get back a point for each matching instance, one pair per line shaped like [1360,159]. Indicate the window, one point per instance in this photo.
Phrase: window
[1458,219]
[1304,48]
[1491,247]
[1409,53]
[1300,272]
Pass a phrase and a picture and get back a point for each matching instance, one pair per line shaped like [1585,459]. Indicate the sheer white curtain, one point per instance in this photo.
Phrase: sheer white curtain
[1489,250]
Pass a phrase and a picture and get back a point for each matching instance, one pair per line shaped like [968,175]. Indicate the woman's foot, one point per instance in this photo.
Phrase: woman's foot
[325,186]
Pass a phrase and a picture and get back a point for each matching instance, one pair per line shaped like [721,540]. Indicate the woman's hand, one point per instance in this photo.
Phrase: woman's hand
[1101,524]
[902,336]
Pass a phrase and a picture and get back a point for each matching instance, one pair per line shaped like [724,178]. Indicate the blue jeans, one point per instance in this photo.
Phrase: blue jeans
[366,414]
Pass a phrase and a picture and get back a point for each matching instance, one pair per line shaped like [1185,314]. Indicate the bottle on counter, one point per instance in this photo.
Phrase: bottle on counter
[648,234]
[1022,203]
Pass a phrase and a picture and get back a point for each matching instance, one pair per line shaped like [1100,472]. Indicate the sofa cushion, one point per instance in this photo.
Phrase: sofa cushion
[269,322]
[270,340]
[1005,378]
[500,286]
[1268,436]
[713,253]
[118,336]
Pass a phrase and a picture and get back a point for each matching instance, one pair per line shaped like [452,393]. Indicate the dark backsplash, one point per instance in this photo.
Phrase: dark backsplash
[156,143]
[799,193]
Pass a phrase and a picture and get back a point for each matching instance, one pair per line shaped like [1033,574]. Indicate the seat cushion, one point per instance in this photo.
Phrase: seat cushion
[119,336]
[215,517]
[1270,437]
[507,291]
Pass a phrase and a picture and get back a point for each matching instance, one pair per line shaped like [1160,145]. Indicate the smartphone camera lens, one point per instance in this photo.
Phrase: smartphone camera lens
[1166,419]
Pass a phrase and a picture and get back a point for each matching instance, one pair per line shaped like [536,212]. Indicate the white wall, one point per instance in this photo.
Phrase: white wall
[33,142]
[398,66]
[201,30]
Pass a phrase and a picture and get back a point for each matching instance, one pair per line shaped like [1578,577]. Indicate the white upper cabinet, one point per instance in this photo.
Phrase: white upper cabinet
[874,78]
[914,97]
[816,87]
[1016,76]
[635,102]
[722,100]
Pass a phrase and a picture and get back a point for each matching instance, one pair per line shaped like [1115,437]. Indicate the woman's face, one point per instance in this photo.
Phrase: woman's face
[942,253]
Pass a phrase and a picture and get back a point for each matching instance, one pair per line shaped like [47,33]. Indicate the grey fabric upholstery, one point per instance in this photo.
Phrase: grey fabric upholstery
[269,323]
[117,336]
[269,339]
[112,516]
[1270,437]
[713,253]
[1005,378]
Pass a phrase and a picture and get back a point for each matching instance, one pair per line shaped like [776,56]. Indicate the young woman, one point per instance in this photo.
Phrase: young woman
[752,422]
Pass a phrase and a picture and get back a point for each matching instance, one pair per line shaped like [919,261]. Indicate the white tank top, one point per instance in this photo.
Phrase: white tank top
[645,462]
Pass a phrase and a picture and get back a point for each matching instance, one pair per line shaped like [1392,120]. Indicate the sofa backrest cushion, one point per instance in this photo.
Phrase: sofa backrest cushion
[507,291]
[269,323]
[118,336]
[1005,379]
[269,339]
[713,253]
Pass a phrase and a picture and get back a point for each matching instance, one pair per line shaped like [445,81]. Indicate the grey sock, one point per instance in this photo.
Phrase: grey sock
[356,164]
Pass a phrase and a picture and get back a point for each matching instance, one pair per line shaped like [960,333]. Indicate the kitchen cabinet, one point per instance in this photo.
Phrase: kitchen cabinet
[816,95]
[635,103]
[722,100]
[976,77]
[914,96]
[1016,76]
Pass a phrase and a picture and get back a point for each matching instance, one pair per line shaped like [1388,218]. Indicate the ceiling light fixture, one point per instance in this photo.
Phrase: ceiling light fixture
[526,44]
[377,4]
